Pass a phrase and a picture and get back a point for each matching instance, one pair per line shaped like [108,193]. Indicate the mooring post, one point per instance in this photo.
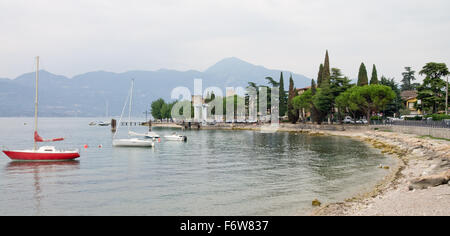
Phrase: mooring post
[149,125]
[113,125]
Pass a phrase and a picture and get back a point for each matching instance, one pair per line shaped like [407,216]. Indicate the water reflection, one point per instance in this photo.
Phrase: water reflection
[37,169]
[214,173]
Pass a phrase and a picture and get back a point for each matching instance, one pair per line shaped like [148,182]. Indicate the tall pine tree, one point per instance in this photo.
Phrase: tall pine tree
[374,78]
[362,76]
[326,70]
[292,113]
[282,97]
[320,75]
[314,112]
[407,81]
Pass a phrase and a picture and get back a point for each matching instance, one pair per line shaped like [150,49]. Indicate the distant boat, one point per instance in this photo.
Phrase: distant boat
[45,153]
[103,123]
[176,137]
[131,142]
[93,123]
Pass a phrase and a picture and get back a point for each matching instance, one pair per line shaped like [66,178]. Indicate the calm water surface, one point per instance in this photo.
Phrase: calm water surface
[214,173]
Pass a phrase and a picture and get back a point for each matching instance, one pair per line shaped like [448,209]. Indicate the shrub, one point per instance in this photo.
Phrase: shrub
[376,118]
[413,118]
[438,117]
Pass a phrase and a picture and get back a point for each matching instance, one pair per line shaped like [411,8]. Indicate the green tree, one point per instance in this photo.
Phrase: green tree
[374,78]
[292,112]
[362,76]
[303,103]
[272,82]
[394,107]
[338,82]
[320,75]
[313,87]
[156,107]
[431,92]
[326,69]
[313,110]
[323,101]
[345,106]
[283,97]
[408,78]
[368,98]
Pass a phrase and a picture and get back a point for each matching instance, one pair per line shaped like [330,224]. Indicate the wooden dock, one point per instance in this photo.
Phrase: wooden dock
[150,124]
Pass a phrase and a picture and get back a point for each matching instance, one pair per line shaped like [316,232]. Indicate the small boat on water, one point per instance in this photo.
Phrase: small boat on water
[103,123]
[45,153]
[175,137]
[150,134]
[131,142]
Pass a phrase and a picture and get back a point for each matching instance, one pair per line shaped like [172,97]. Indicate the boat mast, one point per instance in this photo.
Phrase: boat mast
[36,102]
[131,101]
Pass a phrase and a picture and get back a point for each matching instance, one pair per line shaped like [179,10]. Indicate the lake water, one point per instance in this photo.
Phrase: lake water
[214,173]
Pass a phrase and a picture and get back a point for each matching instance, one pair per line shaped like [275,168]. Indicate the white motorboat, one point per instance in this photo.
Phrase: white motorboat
[133,142]
[103,123]
[176,137]
[149,134]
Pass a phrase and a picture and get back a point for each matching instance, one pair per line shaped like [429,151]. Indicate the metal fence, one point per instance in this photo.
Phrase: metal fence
[417,123]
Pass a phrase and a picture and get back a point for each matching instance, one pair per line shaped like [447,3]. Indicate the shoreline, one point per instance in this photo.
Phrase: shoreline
[418,184]
[403,191]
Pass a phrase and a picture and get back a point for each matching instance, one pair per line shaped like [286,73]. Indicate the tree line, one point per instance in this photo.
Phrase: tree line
[332,96]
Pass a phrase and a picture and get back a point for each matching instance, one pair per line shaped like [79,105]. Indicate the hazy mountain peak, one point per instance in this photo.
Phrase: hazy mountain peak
[85,94]
[228,64]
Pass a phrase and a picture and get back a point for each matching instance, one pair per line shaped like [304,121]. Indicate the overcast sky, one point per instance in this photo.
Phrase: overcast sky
[78,36]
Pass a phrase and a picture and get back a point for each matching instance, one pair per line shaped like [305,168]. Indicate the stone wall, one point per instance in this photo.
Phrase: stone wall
[435,132]
[420,131]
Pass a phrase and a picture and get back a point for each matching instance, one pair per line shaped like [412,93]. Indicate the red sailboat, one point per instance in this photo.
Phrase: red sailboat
[45,153]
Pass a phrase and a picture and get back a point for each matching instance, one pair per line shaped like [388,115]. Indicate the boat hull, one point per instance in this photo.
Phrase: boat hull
[132,143]
[37,156]
[176,138]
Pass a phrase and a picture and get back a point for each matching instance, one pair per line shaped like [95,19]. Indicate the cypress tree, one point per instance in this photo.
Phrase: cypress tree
[362,76]
[320,75]
[292,114]
[314,112]
[326,69]
[282,97]
[313,87]
[374,79]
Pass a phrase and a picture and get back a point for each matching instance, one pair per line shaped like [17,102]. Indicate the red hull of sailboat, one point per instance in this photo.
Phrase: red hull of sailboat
[33,156]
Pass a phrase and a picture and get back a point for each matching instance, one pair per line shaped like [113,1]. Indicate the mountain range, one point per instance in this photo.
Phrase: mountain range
[89,94]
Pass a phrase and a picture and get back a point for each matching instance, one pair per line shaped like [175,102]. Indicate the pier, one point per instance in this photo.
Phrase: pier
[150,124]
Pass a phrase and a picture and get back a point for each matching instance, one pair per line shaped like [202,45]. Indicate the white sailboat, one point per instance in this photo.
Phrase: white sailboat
[106,122]
[130,142]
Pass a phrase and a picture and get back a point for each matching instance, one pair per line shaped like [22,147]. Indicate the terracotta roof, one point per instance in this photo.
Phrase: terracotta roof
[304,88]
[408,94]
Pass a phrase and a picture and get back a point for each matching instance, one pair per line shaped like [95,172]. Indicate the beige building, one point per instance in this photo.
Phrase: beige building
[409,98]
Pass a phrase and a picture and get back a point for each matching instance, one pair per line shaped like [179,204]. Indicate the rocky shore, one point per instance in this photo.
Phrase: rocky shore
[418,186]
